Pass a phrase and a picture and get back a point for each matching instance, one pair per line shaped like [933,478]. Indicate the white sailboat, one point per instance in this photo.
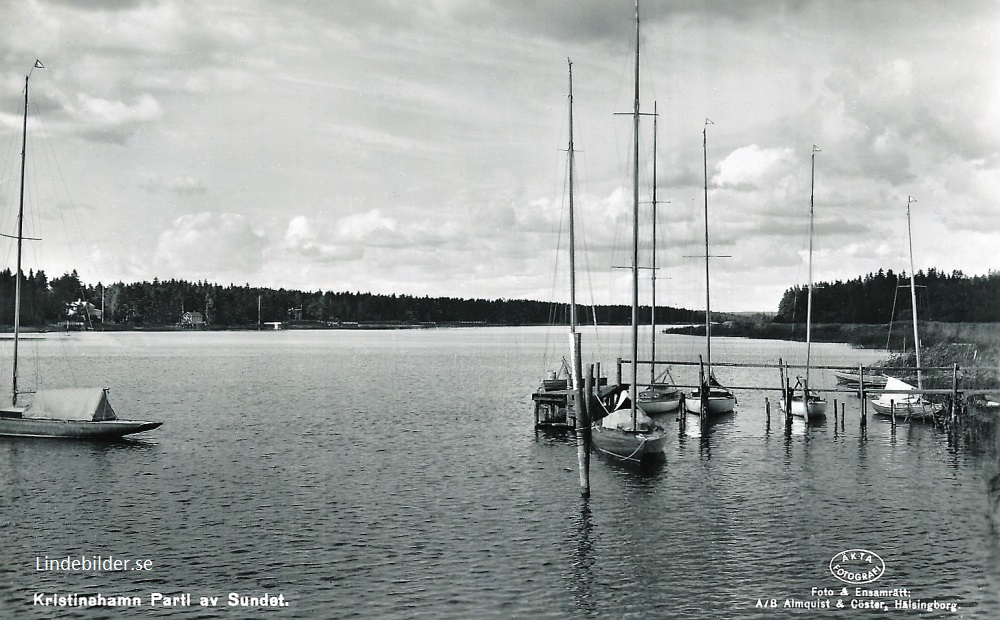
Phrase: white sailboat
[910,405]
[710,396]
[659,396]
[627,433]
[807,404]
[64,413]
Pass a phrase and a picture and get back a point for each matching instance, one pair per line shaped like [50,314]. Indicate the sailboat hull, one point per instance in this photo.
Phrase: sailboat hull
[73,429]
[657,401]
[632,446]
[719,402]
[852,378]
[918,409]
[815,408]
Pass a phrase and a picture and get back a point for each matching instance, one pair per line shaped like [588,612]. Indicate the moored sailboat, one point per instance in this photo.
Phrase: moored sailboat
[63,413]
[658,397]
[710,397]
[891,400]
[628,434]
[807,404]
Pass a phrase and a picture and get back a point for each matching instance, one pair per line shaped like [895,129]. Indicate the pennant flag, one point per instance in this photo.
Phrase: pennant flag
[708,121]
[39,65]
[816,149]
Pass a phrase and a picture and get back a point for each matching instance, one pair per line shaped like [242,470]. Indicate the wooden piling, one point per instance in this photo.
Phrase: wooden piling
[767,410]
[864,400]
[954,392]
[579,404]
[892,411]
[583,418]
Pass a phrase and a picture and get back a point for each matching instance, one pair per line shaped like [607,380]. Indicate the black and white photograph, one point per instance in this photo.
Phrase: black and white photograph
[558,309]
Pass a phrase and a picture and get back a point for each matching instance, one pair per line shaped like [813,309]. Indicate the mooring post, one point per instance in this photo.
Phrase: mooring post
[579,405]
[618,372]
[843,414]
[861,393]
[767,409]
[954,392]
[583,432]
[892,410]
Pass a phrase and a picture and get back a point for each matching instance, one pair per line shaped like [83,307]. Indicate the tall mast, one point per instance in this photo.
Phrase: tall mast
[708,294]
[913,293]
[20,242]
[633,390]
[809,302]
[572,231]
[652,314]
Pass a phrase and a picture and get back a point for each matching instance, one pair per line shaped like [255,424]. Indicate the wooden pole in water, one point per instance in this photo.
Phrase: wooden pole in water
[767,409]
[583,433]
[892,410]
[954,392]
[704,393]
[861,392]
[581,415]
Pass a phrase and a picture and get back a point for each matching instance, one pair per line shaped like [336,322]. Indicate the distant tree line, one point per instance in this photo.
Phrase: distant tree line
[164,302]
[875,298]
[885,296]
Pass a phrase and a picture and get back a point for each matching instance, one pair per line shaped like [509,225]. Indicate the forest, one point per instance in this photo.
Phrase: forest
[885,296]
[875,298]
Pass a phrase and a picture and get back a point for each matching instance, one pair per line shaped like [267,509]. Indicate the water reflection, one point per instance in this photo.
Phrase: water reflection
[583,562]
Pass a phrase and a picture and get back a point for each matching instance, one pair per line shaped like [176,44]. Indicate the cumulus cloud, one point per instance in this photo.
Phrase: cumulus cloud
[209,244]
[106,120]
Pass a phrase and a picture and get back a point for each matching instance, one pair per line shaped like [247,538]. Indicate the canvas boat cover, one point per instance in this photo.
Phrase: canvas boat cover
[621,417]
[90,404]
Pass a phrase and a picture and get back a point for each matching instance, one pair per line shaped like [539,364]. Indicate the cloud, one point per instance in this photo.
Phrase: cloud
[105,120]
[208,244]
[302,239]
[182,185]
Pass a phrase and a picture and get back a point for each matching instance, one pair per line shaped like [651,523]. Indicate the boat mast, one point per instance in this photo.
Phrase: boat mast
[633,390]
[809,302]
[20,243]
[708,295]
[913,293]
[572,226]
[652,314]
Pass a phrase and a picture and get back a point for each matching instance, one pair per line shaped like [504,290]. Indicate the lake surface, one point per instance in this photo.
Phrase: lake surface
[397,474]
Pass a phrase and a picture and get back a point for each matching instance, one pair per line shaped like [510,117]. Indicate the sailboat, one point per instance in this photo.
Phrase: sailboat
[63,413]
[893,400]
[627,433]
[558,386]
[658,397]
[807,405]
[710,396]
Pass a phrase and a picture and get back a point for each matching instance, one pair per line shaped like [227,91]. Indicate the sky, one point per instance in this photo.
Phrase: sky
[420,148]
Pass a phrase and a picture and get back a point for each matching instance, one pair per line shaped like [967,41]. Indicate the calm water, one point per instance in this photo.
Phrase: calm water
[397,475]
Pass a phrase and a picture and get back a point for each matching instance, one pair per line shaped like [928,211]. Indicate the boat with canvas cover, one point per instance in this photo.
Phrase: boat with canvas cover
[82,413]
[626,433]
[77,413]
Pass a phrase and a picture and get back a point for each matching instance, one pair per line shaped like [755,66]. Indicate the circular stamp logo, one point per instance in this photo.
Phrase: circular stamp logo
[857,566]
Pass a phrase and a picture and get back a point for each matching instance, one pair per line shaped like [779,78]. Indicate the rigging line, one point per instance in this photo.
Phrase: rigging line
[582,175]
[74,211]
